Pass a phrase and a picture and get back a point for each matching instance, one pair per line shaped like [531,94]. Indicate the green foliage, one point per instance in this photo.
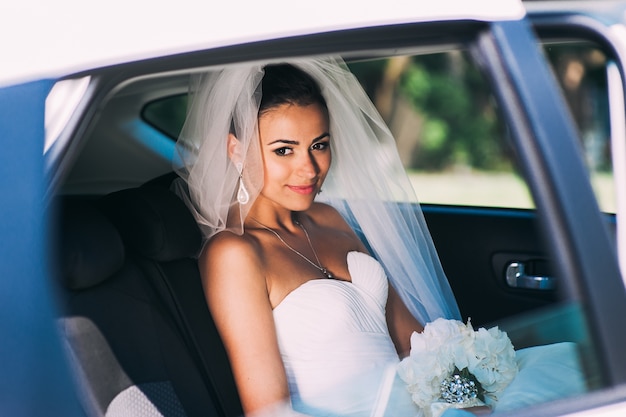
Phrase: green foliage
[460,127]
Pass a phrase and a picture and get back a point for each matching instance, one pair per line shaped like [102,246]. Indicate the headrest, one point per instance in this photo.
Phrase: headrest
[91,248]
[154,222]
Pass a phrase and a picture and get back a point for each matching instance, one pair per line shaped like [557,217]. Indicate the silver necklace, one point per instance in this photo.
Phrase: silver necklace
[319,266]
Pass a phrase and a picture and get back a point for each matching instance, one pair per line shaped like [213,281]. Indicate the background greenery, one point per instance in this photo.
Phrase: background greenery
[458,122]
[449,133]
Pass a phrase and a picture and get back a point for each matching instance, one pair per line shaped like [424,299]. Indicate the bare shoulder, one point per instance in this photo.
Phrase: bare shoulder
[328,216]
[232,260]
[226,243]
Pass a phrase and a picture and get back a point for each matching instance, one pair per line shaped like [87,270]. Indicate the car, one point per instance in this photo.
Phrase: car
[95,318]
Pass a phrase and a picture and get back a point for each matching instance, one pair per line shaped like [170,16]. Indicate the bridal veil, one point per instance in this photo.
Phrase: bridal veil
[366,182]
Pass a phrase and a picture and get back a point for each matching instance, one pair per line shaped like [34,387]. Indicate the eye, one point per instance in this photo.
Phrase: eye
[320,146]
[284,151]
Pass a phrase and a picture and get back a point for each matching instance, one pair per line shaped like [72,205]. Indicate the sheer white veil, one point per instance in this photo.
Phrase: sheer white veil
[366,181]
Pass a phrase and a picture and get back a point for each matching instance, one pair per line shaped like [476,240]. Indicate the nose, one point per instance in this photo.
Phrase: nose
[308,167]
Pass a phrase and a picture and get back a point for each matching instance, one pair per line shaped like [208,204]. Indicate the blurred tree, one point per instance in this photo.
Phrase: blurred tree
[460,125]
[580,69]
[439,109]
[441,112]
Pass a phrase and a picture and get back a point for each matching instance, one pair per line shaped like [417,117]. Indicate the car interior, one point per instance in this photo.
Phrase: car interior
[134,321]
[137,327]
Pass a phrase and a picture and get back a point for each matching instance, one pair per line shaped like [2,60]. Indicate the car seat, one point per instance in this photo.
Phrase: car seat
[164,239]
[124,334]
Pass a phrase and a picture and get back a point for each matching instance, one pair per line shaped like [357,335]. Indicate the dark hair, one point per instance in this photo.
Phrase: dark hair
[286,84]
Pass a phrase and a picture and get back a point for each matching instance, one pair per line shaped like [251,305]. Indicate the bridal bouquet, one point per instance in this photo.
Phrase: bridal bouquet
[453,365]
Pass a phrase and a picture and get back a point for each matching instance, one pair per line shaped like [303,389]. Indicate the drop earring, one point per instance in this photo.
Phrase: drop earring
[243,197]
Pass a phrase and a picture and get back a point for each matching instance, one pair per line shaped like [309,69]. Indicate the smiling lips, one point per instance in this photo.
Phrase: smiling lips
[302,189]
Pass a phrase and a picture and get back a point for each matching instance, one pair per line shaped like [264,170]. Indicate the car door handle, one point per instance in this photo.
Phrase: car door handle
[516,277]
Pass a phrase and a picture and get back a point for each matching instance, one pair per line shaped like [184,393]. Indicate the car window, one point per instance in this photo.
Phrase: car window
[455,146]
[581,70]
[451,138]
[167,114]
[452,141]
[444,119]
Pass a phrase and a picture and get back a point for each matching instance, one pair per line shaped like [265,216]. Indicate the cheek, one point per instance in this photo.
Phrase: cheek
[325,162]
[273,171]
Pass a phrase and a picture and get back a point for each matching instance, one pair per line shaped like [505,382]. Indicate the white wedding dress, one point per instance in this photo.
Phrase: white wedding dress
[338,355]
[341,361]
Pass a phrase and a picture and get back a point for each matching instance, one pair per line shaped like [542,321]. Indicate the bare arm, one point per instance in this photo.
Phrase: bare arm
[236,292]
[401,323]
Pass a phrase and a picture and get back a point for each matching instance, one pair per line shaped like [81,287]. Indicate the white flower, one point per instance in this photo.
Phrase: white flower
[418,343]
[445,333]
[461,354]
[446,345]
[423,374]
[494,362]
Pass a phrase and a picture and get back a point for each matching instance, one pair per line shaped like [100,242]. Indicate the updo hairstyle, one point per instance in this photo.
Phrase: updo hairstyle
[286,84]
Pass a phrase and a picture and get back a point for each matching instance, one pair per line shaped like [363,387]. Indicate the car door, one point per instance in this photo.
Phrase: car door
[34,379]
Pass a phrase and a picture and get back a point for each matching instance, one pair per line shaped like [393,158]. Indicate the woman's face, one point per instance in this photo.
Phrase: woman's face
[295,145]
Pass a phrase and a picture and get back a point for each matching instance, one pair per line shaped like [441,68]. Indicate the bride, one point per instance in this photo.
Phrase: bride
[315,290]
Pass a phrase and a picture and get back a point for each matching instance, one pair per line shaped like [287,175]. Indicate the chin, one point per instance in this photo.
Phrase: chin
[300,206]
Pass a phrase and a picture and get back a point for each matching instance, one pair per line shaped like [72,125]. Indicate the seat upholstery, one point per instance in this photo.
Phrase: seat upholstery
[163,236]
[129,294]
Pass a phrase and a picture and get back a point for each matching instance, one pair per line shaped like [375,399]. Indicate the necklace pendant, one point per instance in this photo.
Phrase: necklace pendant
[318,265]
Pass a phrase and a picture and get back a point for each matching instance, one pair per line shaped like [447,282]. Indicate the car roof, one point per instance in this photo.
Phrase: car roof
[49,39]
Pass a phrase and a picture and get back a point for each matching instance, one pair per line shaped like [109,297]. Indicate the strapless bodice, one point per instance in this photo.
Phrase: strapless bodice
[334,342]
[321,309]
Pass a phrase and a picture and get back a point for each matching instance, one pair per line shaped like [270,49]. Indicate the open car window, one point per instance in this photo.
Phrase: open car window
[451,138]
[456,147]
[439,108]
[452,141]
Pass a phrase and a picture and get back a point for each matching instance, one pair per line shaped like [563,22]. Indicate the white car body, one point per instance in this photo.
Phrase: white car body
[53,38]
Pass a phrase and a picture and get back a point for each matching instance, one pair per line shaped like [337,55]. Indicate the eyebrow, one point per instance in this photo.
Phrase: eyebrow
[295,142]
